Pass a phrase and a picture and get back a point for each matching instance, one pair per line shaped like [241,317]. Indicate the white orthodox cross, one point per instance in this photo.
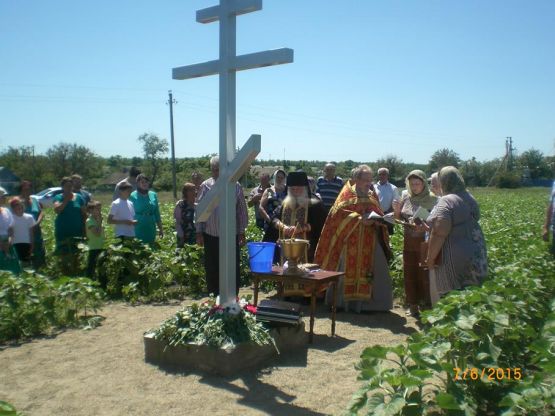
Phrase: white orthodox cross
[232,166]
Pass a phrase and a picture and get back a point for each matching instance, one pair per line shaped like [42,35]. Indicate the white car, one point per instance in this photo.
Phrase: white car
[46,196]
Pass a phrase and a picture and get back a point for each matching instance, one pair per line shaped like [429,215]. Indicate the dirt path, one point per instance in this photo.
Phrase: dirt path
[102,371]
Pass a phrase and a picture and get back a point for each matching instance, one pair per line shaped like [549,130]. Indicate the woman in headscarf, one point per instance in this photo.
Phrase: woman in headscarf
[415,205]
[272,197]
[456,233]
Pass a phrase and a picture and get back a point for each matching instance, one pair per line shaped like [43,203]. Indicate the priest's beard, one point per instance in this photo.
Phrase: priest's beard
[295,202]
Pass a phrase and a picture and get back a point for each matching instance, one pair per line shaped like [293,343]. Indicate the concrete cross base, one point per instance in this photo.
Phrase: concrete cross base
[206,359]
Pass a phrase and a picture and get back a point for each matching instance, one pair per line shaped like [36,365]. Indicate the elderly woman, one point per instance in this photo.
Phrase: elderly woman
[33,207]
[273,197]
[435,187]
[8,256]
[456,233]
[69,224]
[147,211]
[416,203]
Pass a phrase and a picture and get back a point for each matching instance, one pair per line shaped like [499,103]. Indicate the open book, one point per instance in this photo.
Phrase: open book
[388,218]
[422,213]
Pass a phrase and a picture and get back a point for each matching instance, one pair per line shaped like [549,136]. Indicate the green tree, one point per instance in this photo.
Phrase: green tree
[444,157]
[536,163]
[344,169]
[27,165]
[394,164]
[115,161]
[307,167]
[66,159]
[472,172]
[154,148]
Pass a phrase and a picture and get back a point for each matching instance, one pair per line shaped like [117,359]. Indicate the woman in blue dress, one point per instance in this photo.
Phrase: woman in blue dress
[147,211]
[69,226]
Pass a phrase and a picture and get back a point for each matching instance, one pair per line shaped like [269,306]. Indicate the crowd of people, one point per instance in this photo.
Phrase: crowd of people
[343,220]
[134,213]
[345,224]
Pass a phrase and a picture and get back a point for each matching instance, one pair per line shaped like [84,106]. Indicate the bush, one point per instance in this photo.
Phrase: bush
[32,304]
[508,180]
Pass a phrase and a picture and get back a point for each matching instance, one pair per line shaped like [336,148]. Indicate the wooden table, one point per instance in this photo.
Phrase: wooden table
[314,280]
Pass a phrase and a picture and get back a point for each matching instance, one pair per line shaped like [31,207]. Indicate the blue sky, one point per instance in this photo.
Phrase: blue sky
[370,78]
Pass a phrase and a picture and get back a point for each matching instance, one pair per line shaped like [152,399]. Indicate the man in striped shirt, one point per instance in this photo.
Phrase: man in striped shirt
[329,186]
[208,232]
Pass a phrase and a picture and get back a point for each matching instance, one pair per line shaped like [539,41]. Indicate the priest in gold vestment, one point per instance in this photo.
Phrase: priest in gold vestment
[358,246]
[301,215]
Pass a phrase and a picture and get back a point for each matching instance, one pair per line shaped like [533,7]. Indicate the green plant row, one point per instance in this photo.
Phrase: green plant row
[536,394]
[32,304]
[136,272]
[450,367]
[493,327]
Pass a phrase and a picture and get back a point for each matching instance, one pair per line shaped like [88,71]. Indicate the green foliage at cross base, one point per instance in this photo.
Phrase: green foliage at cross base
[209,324]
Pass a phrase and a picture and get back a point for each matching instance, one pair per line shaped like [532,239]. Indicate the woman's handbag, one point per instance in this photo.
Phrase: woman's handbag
[424,255]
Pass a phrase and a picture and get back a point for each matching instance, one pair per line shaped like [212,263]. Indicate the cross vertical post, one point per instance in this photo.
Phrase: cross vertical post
[231,166]
[228,223]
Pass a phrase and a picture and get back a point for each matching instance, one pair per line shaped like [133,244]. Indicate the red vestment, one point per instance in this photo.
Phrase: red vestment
[345,235]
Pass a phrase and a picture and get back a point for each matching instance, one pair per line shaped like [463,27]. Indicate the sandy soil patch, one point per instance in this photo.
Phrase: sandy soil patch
[102,371]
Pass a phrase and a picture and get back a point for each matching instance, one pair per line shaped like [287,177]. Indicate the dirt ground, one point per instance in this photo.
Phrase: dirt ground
[103,372]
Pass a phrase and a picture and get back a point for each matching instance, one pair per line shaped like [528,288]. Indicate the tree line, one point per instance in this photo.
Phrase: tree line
[64,159]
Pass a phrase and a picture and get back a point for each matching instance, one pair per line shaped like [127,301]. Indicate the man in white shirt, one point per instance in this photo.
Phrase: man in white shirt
[387,193]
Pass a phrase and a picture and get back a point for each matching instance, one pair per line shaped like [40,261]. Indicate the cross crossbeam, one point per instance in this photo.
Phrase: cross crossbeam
[239,63]
[233,7]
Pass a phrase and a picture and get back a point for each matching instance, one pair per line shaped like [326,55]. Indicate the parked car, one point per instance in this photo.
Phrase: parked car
[46,196]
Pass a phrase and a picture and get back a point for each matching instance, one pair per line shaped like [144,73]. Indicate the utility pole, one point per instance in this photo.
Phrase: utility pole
[510,148]
[171,102]
[507,162]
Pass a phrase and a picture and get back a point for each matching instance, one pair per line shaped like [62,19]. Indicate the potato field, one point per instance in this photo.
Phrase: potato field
[487,350]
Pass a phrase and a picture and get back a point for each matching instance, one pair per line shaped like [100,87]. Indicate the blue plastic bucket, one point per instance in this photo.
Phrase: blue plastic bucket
[261,256]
